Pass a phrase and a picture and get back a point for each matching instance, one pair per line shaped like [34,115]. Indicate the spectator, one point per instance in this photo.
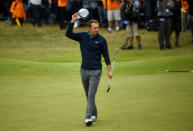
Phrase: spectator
[164,14]
[113,13]
[36,12]
[147,10]
[54,11]
[76,5]
[18,13]
[62,12]
[46,7]
[5,9]
[184,10]
[190,16]
[92,5]
[102,14]
[131,16]
[176,20]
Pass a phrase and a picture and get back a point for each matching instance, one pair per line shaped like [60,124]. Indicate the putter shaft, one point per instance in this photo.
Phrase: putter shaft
[108,89]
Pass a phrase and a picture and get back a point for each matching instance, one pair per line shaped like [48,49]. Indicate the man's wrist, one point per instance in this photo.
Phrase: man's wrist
[109,68]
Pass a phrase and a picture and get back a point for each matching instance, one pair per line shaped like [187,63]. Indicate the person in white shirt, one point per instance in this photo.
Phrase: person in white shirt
[36,12]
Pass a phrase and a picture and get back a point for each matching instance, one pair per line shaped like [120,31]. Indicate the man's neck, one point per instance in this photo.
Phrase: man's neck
[92,35]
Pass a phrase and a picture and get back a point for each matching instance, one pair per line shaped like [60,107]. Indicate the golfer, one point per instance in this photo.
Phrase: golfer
[92,46]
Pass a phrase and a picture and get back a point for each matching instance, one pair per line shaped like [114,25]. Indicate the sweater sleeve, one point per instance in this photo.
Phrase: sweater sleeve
[71,35]
[105,52]
[12,9]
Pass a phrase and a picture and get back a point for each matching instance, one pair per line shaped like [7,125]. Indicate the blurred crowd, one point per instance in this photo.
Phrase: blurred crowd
[162,15]
[50,10]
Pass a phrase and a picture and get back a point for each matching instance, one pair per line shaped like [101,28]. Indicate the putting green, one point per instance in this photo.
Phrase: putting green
[41,90]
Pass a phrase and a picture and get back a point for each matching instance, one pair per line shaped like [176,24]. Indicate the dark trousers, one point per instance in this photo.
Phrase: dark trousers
[164,33]
[102,13]
[62,14]
[36,14]
[190,24]
[90,81]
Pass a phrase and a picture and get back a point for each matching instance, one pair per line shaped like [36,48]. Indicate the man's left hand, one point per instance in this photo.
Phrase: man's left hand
[110,74]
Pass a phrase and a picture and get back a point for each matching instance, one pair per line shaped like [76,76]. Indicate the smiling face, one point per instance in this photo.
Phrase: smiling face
[93,27]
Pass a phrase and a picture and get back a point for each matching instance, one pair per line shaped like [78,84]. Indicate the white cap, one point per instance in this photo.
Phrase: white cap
[83,13]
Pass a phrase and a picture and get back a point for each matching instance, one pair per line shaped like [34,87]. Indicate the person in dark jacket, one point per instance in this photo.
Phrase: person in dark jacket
[36,12]
[176,20]
[62,12]
[190,16]
[164,13]
[92,46]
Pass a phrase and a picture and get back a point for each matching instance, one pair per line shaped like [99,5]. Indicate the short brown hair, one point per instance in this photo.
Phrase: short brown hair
[92,21]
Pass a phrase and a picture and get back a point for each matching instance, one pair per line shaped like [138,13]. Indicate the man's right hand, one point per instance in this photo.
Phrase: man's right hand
[74,17]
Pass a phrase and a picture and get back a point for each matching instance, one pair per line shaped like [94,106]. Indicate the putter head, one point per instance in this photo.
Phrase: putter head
[108,89]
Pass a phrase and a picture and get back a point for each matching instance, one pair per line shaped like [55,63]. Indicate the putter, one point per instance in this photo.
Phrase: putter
[179,70]
[108,89]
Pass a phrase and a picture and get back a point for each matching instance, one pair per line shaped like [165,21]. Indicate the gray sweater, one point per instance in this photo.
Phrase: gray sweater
[164,10]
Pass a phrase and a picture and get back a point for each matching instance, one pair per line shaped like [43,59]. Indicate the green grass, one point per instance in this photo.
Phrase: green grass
[41,90]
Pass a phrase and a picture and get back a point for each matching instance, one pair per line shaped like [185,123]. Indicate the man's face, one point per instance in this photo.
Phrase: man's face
[94,29]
